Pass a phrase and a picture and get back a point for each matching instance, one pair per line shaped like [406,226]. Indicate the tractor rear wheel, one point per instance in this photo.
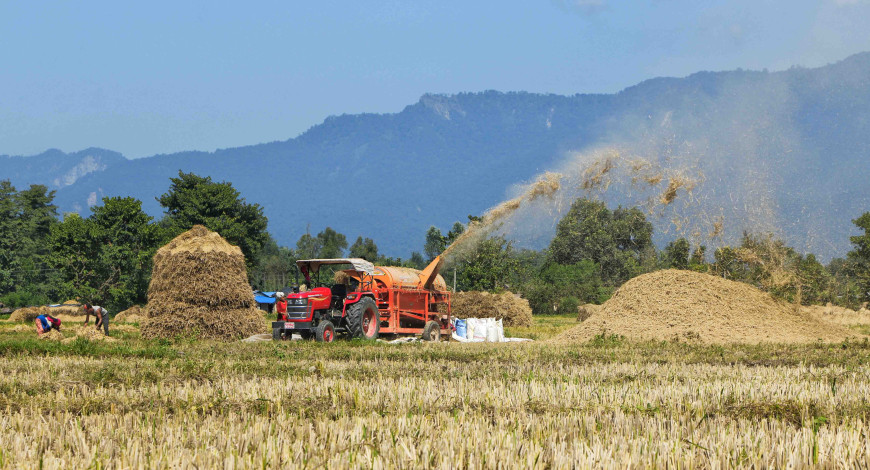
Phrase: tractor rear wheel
[325,332]
[432,331]
[363,319]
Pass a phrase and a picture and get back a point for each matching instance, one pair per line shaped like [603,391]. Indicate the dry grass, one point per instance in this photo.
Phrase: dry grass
[433,406]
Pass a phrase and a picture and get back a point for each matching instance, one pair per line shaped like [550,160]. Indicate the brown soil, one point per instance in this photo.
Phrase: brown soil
[685,305]
[199,287]
[511,308]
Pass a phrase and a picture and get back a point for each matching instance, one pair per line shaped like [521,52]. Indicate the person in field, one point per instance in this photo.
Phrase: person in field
[46,323]
[101,317]
[281,306]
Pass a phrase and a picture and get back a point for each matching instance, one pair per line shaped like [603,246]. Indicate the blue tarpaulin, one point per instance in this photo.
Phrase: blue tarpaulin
[264,297]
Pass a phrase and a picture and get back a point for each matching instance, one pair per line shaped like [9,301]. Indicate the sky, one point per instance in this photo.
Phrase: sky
[144,78]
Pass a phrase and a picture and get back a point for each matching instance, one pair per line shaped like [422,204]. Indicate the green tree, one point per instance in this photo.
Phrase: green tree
[843,288]
[489,266]
[620,242]
[815,281]
[728,264]
[331,244]
[557,282]
[276,267]
[365,249]
[416,261]
[74,253]
[859,257]
[676,254]
[194,199]
[107,257]
[10,237]
[698,261]
[127,239]
[435,243]
[307,247]
[454,233]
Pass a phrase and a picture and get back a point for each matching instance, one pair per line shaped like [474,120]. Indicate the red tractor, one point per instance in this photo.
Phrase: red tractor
[367,301]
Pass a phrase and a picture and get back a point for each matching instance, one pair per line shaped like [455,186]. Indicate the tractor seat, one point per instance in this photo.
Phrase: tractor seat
[339,292]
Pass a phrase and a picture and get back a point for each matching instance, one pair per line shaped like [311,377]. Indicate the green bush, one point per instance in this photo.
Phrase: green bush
[21,298]
[568,305]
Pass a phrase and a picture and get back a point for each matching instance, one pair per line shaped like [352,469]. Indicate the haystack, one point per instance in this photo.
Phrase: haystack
[685,305]
[28,314]
[511,308]
[134,314]
[199,287]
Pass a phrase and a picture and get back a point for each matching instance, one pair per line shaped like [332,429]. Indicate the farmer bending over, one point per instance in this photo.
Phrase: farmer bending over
[101,316]
[45,323]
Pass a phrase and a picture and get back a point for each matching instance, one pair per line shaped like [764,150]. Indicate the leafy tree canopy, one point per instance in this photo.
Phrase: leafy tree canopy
[194,199]
[619,241]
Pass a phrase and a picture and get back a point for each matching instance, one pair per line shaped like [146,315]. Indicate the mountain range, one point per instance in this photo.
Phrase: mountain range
[783,151]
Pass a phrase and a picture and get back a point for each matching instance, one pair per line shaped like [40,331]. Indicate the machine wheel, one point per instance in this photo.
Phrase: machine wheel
[432,331]
[363,319]
[325,332]
[276,334]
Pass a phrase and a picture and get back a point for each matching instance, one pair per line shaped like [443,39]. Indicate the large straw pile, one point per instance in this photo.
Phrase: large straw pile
[511,308]
[199,287]
[686,305]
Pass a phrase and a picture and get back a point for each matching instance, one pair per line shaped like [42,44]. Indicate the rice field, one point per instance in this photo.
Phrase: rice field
[608,403]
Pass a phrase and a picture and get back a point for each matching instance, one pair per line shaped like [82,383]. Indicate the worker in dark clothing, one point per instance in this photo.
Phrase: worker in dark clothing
[45,323]
[101,317]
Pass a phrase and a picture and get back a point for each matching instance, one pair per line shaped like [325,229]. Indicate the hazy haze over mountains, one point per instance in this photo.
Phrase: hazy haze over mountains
[785,151]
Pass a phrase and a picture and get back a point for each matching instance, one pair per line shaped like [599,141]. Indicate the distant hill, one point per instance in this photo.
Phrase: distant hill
[790,148]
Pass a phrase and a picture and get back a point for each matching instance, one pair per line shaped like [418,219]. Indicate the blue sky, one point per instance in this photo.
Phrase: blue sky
[158,77]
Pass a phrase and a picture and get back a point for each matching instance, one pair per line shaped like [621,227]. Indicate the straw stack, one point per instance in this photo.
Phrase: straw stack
[199,287]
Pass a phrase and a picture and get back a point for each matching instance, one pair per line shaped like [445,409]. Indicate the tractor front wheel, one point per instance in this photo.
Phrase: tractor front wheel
[363,319]
[325,332]
[432,331]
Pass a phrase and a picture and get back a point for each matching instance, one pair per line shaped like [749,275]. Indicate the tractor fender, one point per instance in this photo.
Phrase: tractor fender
[350,302]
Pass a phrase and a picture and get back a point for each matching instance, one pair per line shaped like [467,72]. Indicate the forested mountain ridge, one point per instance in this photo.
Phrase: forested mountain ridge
[797,141]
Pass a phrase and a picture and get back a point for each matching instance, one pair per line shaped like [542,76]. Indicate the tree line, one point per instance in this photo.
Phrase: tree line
[106,257]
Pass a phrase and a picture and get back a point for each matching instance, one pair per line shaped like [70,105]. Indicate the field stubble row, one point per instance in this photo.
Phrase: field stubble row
[605,404]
